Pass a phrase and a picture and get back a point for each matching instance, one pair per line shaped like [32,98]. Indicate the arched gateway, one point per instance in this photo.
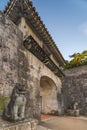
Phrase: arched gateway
[48,94]
[34,59]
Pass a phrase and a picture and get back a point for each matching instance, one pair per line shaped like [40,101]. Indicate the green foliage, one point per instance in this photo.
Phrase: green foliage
[2,102]
[78,59]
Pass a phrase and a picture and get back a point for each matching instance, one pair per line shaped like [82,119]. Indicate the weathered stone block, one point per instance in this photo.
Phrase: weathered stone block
[25,125]
[75,88]
[10,39]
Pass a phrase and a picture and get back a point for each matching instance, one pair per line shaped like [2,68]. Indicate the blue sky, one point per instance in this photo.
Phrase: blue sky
[66,20]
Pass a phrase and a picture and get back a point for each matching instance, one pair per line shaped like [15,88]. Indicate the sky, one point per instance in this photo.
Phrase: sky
[66,21]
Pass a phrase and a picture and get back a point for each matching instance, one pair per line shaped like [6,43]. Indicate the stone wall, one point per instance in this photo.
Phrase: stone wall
[25,125]
[18,65]
[13,63]
[75,88]
[27,30]
[37,70]
[10,38]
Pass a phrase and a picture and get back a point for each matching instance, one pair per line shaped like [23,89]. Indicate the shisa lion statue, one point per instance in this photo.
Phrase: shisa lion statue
[15,109]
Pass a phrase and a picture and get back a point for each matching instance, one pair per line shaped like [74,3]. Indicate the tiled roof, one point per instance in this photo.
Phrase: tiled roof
[16,9]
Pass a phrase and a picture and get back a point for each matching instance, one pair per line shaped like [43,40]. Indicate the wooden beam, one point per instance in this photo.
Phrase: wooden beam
[34,48]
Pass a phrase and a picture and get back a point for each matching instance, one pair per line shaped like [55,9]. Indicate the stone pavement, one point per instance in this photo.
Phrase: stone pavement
[65,123]
[39,127]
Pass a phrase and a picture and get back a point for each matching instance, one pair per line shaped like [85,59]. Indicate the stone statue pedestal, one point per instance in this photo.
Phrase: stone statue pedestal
[30,124]
[73,112]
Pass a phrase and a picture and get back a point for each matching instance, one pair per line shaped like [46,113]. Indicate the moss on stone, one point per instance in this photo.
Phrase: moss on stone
[3,99]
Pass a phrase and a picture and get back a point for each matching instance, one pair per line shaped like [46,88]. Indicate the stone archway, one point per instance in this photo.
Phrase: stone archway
[48,94]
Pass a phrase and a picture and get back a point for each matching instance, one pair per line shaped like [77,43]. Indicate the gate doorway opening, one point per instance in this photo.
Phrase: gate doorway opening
[48,96]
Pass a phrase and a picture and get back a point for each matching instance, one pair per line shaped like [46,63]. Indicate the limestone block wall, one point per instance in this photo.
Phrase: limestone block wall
[75,88]
[22,125]
[10,41]
[18,65]
[36,70]
[13,62]
[24,27]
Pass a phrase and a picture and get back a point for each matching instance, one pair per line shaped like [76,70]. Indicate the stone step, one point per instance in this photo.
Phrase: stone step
[39,127]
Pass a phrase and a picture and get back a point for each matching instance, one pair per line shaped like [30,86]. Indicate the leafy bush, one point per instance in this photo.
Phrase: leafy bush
[78,59]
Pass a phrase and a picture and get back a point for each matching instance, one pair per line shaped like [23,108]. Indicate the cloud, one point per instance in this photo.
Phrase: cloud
[83,28]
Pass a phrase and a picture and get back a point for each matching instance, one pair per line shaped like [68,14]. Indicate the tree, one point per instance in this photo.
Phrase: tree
[78,60]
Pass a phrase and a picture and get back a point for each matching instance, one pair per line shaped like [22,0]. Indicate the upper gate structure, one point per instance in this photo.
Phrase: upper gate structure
[36,58]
